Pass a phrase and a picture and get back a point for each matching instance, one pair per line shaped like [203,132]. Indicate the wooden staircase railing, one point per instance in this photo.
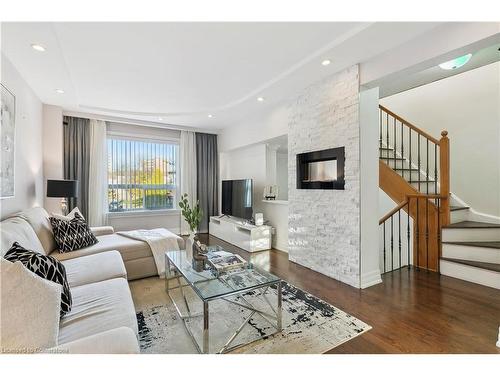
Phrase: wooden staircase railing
[414,170]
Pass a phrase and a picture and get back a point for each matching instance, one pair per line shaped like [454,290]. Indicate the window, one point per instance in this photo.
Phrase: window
[141,174]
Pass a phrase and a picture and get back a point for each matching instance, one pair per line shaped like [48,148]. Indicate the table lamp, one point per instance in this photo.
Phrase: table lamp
[62,189]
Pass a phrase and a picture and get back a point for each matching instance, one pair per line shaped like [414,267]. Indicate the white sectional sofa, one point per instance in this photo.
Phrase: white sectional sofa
[102,318]
[136,255]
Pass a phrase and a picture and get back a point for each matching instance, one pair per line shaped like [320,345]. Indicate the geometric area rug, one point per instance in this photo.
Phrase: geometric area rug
[310,325]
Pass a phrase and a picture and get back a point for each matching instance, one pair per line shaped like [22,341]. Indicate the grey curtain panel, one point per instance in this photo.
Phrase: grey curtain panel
[207,173]
[76,134]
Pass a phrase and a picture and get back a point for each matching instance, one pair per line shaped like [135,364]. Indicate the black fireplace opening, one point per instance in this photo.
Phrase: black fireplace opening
[321,169]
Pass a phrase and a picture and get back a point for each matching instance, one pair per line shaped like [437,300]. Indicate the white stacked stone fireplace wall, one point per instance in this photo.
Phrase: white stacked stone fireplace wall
[324,225]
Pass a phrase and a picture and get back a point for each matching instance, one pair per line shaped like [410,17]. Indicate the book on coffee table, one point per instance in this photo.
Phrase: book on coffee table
[224,261]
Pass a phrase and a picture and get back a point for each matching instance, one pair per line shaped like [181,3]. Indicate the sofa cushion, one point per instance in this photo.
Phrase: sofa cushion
[38,218]
[69,216]
[98,307]
[94,268]
[72,234]
[44,266]
[29,310]
[102,230]
[128,248]
[115,341]
[16,229]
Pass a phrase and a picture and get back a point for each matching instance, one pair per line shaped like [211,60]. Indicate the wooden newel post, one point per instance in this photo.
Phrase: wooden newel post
[444,183]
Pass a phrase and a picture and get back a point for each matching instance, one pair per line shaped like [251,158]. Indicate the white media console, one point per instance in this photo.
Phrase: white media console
[239,233]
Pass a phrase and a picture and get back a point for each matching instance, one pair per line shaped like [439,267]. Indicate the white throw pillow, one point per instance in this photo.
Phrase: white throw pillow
[69,216]
[30,307]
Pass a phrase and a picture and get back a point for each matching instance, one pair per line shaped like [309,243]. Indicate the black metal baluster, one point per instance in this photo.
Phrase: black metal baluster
[408,232]
[395,144]
[387,133]
[384,248]
[392,243]
[427,233]
[409,135]
[427,171]
[402,147]
[399,217]
[418,234]
[380,129]
[439,231]
[418,149]
[435,172]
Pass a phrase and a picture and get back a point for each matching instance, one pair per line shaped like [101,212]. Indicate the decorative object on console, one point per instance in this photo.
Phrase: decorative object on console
[259,219]
[62,189]
[193,217]
[321,169]
[44,266]
[271,192]
[72,234]
[7,133]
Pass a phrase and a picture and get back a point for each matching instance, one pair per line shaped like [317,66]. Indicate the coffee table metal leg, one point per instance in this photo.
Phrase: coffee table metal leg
[279,315]
[167,272]
[205,327]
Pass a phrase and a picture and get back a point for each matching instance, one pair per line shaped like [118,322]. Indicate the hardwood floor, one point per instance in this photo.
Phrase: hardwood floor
[410,312]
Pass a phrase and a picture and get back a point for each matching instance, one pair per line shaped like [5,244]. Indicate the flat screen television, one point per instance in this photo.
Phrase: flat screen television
[237,198]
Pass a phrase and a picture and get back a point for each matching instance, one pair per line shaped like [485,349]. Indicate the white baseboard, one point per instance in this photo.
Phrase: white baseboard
[283,246]
[370,278]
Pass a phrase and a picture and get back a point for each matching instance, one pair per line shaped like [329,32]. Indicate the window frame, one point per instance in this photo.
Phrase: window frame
[125,136]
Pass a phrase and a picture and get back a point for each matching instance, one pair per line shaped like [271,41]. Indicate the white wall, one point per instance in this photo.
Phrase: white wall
[468,106]
[369,179]
[270,124]
[282,175]
[52,151]
[29,190]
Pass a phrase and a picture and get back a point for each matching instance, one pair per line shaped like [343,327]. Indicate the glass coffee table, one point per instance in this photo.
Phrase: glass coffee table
[209,287]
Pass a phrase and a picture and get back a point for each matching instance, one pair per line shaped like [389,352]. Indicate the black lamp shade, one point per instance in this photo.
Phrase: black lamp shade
[62,188]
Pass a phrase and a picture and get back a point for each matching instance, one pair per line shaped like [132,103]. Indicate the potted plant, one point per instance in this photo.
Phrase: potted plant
[193,216]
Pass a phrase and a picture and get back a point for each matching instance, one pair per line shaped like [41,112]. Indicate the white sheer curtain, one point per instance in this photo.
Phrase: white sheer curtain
[187,171]
[98,174]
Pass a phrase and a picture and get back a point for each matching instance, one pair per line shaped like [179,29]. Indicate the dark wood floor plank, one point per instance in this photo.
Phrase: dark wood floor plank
[410,312]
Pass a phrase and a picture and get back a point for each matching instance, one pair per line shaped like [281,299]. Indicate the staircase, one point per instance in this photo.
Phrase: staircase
[436,236]
[471,249]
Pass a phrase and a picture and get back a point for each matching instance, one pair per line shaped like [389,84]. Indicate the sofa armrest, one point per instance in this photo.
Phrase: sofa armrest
[100,231]
[120,340]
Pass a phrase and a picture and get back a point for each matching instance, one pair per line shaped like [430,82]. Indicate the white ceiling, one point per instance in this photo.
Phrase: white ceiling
[182,72]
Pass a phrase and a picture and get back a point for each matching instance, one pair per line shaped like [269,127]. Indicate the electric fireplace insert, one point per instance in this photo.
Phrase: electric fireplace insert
[321,169]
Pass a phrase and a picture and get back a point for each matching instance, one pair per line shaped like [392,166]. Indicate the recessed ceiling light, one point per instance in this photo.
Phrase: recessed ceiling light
[456,63]
[210,116]
[60,91]
[260,99]
[160,118]
[38,47]
[325,62]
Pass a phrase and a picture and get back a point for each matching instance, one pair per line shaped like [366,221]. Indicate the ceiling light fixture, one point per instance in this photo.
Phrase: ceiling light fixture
[260,99]
[210,116]
[60,91]
[456,63]
[38,47]
[325,62]
[160,118]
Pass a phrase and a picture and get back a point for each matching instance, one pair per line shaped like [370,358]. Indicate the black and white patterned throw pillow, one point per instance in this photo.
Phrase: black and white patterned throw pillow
[72,234]
[44,266]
